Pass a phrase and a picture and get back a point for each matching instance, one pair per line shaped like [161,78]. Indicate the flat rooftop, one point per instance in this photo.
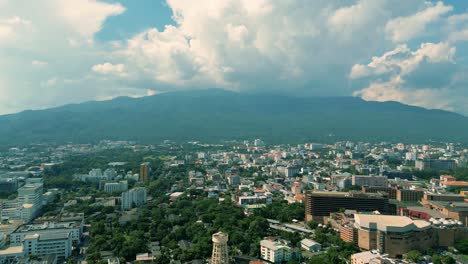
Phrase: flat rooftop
[390,223]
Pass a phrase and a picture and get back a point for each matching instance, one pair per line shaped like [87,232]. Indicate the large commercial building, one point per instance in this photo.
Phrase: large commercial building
[393,235]
[319,205]
[133,197]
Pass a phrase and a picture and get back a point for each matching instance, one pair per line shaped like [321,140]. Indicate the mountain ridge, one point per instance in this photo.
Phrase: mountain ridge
[214,115]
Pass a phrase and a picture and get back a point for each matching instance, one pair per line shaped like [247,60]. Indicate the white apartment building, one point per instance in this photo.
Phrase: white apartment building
[275,251]
[111,187]
[59,243]
[135,196]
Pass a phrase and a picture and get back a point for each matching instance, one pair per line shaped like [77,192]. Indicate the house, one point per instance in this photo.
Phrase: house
[310,245]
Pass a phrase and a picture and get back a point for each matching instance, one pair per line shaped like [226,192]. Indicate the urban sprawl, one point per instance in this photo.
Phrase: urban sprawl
[234,202]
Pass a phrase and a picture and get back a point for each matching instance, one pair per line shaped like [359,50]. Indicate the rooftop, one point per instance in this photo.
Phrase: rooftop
[390,223]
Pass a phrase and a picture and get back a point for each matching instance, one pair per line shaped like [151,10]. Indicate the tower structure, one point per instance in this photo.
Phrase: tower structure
[220,248]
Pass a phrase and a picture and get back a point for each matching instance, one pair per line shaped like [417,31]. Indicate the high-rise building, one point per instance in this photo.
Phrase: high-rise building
[220,248]
[111,187]
[144,172]
[30,200]
[134,197]
[319,205]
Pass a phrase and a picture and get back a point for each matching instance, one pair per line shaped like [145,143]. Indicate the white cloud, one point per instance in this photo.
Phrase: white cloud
[403,29]
[109,68]
[302,47]
[402,61]
[39,63]
[86,17]
[395,76]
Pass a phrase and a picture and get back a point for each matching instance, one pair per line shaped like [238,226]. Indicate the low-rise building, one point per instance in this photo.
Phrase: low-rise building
[276,250]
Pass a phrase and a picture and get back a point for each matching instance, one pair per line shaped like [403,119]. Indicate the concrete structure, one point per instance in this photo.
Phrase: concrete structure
[134,197]
[220,248]
[319,205]
[144,172]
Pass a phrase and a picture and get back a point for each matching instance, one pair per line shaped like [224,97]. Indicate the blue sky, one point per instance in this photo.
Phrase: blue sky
[410,51]
[140,15]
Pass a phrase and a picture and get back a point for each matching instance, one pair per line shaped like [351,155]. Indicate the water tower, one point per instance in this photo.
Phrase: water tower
[220,248]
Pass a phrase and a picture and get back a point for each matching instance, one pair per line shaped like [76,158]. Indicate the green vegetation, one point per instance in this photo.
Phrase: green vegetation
[156,118]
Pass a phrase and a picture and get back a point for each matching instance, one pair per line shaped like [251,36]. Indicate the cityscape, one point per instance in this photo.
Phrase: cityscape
[234,131]
[236,202]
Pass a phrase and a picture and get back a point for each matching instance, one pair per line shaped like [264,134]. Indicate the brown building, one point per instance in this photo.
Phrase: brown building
[319,205]
[144,172]
[393,235]
[409,195]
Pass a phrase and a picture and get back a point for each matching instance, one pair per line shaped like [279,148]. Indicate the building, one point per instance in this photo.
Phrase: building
[254,201]
[310,245]
[391,192]
[454,184]
[133,198]
[319,205]
[393,235]
[59,244]
[75,228]
[40,245]
[368,257]
[234,180]
[435,164]
[8,184]
[276,250]
[111,187]
[144,172]
[29,201]
[291,171]
[409,195]
[220,248]
[365,180]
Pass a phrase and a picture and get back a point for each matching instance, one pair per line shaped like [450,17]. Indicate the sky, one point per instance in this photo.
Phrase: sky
[55,52]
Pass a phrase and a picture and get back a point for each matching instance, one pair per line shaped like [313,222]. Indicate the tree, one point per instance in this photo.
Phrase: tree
[462,246]
[413,256]
[312,224]
[448,260]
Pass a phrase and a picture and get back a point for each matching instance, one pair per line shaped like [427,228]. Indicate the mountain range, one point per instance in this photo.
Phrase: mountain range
[214,115]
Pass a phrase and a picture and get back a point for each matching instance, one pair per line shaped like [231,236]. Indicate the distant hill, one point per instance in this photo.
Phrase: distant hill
[213,115]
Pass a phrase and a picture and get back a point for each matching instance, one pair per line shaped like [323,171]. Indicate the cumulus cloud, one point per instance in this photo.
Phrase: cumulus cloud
[372,48]
[109,68]
[417,77]
[403,29]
